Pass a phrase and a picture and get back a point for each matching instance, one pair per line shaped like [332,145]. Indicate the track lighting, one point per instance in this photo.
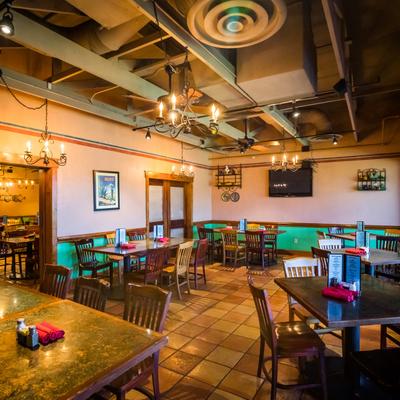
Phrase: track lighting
[148,134]
[334,141]
[295,112]
[6,24]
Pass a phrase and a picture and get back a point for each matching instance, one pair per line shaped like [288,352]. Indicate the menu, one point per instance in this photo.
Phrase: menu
[344,268]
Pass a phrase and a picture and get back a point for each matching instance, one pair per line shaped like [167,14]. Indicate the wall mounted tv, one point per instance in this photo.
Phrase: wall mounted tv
[291,184]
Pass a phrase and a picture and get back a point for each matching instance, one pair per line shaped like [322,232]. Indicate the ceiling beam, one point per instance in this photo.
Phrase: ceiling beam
[127,48]
[61,95]
[337,40]
[280,122]
[49,6]
[45,41]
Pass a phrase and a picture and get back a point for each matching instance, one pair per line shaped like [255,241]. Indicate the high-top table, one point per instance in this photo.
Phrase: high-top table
[378,304]
[96,349]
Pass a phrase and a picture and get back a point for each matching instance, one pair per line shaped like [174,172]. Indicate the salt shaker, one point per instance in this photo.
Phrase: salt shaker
[32,340]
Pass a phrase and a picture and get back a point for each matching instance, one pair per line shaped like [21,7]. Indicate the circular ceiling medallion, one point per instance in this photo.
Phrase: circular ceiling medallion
[235,23]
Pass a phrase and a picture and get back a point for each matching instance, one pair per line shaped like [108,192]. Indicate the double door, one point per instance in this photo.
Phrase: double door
[169,203]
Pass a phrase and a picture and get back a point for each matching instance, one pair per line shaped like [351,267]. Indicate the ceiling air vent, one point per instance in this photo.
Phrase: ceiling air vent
[233,24]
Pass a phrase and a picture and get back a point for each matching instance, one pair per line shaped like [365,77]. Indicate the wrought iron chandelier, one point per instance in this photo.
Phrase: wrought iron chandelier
[45,154]
[285,164]
[175,113]
[182,170]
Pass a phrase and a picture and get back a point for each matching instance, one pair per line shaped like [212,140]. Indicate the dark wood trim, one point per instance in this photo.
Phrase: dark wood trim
[74,238]
[167,177]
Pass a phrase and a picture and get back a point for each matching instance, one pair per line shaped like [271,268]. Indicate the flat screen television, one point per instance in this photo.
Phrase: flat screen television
[291,184]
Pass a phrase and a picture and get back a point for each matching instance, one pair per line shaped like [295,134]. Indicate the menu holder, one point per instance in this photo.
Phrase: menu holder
[243,224]
[362,239]
[158,231]
[120,237]
[360,226]
[344,268]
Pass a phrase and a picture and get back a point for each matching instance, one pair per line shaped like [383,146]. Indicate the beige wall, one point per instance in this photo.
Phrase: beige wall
[335,199]
[75,197]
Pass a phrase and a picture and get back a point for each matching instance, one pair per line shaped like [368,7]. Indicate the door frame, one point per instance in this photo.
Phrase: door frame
[188,199]
[47,207]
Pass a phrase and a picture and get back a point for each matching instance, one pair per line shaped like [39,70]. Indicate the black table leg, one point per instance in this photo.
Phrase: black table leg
[370,270]
[351,343]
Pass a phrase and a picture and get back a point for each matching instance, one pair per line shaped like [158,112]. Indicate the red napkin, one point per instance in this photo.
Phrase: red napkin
[358,252]
[48,332]
[163,240]
[338,293]
[128,245]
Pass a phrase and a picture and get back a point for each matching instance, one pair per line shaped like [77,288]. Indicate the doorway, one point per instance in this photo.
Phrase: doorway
[169,202]
[37,185]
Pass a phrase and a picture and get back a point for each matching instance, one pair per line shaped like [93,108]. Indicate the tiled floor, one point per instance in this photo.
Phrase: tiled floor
[213,340]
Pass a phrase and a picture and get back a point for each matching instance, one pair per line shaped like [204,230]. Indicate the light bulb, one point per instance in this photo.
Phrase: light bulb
[273,160]
[62,148]
[28,146]
[161,107]
[173,118]
[173,102]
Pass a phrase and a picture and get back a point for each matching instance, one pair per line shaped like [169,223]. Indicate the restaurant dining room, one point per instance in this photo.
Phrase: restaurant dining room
[199,200]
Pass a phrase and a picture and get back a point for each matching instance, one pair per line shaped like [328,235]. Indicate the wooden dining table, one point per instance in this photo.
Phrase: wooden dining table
[378,304]
[96,349]
[350,236]
[140,250]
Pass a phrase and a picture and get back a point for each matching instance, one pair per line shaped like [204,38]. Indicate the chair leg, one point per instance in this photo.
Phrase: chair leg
[261,356]
[323,375]
[111,275]
[224,257]
[195,274]
[178,289]
[188,281]
[204,272]
[274,377]
[156,385]
[383,336]
[291,314]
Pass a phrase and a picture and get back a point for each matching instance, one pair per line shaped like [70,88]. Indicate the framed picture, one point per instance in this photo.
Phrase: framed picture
[105,190]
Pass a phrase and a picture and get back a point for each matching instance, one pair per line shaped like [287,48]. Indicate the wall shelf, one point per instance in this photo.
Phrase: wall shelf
[229,177]
[371,179]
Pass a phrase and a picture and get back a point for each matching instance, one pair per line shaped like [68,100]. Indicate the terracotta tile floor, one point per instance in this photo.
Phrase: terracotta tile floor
[213,340]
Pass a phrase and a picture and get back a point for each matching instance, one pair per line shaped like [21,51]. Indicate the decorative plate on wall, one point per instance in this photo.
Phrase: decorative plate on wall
[225,196]
[235,196]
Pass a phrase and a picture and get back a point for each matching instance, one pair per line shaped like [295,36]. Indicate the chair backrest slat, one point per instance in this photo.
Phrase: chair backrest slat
[155,262]
[254,241]
[91,292]
[390,243]
[330,244]
[335,229]
[229,237]
[146,306]
[56,280]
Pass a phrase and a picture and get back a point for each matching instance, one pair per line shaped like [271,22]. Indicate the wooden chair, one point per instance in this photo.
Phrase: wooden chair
[323,257]
[255,248]
[286,340]
[91,292]
[387,332]
[87,261]
[301,267]
[335,229]
[179,272]
[321,235]
[152,272]
[214,245]
[146,306]
[392,232]
[199,261]
[136,234]
[271,243]
[330,244]
[5,254]
[56,280]
[231,249]
[381,367]
[390,243]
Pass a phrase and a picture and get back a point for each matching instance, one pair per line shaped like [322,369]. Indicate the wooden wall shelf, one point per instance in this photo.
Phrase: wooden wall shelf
[229,177]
